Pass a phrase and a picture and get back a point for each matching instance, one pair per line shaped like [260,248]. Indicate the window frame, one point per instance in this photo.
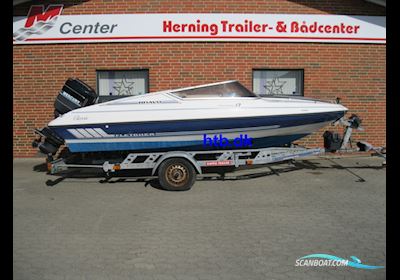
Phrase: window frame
[105,98]
[279,69]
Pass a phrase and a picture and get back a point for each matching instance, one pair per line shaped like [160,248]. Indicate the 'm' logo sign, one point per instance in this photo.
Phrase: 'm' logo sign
[37,13]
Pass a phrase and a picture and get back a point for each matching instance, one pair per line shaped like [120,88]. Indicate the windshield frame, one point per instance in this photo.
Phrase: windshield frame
[228,90]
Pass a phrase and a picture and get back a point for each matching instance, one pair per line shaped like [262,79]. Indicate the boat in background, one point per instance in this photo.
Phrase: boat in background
[179,119]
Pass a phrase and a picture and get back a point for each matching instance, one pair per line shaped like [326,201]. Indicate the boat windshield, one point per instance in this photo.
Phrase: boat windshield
[232,89]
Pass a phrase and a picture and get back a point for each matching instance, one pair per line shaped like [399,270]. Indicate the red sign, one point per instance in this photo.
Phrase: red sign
[37,14]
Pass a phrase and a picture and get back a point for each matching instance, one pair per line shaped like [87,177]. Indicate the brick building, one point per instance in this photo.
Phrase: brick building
[355,71]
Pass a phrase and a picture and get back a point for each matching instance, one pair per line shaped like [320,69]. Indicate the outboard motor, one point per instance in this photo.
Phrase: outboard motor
[74,94]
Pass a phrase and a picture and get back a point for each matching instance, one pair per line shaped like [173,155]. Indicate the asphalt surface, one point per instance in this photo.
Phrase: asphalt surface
[254,224]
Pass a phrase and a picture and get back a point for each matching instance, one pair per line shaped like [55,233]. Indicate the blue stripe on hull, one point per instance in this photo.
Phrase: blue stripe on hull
[205,124]
[273,141]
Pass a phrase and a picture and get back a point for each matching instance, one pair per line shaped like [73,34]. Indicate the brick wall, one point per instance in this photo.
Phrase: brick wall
[354,72]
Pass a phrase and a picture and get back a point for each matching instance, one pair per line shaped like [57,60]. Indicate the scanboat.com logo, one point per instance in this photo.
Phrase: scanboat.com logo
[330,260]
[38,21]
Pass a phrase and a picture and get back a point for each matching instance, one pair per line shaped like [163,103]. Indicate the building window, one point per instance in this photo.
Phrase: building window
[278,82]
[116,84]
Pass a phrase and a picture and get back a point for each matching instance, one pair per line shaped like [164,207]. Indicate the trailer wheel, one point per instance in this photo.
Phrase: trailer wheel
[176,174]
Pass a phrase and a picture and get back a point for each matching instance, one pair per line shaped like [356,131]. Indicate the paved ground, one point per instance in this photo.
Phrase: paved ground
[254,227]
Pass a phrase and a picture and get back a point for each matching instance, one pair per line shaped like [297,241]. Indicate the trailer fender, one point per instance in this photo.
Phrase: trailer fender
[184,155]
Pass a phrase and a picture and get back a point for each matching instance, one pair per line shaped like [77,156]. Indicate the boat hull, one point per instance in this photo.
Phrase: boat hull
[267,131]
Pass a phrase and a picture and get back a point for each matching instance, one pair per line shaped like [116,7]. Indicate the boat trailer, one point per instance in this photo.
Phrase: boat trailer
[177,170]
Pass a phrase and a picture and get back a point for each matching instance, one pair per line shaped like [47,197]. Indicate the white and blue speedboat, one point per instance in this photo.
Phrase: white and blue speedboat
[179,120]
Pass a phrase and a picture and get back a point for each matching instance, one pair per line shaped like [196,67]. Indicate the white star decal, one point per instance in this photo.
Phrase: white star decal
[123,87]
[274,87]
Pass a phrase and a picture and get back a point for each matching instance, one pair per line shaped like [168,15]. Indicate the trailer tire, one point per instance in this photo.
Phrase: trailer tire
[176,174]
